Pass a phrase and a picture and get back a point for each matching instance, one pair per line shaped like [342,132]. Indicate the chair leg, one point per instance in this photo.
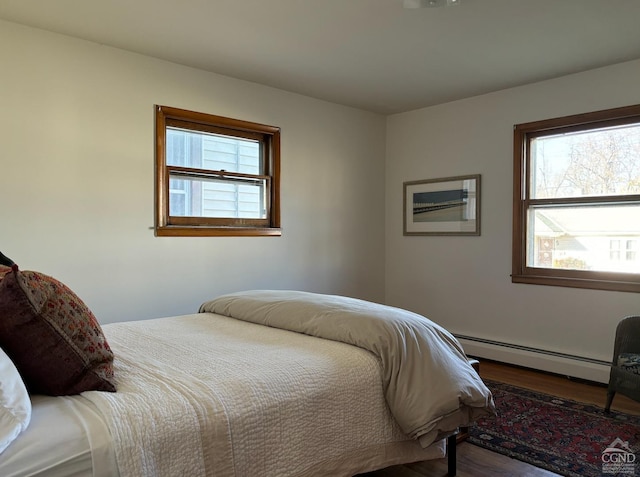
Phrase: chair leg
[607,408]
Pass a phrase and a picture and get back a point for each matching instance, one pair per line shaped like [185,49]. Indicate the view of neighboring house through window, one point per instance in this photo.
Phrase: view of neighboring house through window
[215,176]
[215,197]
[577,201]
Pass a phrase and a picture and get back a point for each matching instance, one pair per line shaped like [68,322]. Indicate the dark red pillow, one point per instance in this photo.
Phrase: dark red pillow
[52,337]
[3,271]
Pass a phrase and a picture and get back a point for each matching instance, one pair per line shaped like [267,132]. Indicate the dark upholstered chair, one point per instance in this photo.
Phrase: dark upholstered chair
[625,366]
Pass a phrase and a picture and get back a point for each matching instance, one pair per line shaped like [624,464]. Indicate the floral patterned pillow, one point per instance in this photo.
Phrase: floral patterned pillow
[3,271]
[52,337]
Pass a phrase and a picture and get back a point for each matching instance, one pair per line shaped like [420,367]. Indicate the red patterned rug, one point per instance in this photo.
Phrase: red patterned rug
[566,437]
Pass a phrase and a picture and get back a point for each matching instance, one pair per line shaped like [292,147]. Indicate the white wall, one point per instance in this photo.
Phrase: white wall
[464,282]
[77,182]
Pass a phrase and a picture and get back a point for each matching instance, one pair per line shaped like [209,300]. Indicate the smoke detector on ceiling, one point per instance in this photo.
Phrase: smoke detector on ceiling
[429,3]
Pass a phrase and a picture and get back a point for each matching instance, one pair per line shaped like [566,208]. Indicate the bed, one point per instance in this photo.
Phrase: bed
[268,383]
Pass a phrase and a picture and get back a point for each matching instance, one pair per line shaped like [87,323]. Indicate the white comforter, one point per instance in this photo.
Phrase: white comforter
[210,395]
[429,385]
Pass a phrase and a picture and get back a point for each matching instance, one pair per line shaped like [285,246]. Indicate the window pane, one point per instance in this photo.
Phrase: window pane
[213,151]
[595,238]
[588,163]
[183,148]
[219,198]
[178,196]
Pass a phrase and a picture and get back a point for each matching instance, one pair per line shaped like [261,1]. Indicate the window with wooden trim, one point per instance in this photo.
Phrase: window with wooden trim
[576,205]
[216,175]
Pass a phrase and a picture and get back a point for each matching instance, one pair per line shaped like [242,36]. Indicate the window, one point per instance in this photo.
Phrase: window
[632,251]
[216,175]
[576,206]
[614,246]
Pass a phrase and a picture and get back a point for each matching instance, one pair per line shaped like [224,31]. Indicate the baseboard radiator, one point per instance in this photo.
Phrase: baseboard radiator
[550,361]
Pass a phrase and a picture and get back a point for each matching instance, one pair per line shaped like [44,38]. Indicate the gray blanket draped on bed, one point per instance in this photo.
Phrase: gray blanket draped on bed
[429,385]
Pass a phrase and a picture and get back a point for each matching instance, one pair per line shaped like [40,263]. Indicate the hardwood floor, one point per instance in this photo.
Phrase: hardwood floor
[562,386]
[474,461]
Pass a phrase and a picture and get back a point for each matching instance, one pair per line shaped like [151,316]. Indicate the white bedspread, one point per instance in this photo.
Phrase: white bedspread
[429,385]
[209,395]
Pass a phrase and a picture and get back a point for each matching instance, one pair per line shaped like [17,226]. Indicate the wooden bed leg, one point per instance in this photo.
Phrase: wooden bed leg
[451,455]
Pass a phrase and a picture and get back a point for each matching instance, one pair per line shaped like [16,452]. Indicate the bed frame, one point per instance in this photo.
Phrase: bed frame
[462,435]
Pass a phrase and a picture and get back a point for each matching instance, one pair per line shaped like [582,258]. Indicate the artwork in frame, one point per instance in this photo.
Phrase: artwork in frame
[445,206]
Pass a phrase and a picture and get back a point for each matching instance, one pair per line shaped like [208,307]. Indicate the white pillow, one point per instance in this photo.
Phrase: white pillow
[15,404]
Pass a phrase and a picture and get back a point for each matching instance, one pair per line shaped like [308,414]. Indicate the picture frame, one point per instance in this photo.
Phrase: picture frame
[444,206]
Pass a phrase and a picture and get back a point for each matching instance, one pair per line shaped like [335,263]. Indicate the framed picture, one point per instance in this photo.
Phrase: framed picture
[447,206]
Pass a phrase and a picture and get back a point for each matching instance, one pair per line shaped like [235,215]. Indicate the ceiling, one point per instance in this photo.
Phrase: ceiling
[370,54]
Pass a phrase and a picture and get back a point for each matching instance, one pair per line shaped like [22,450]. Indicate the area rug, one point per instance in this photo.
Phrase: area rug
[566,437]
